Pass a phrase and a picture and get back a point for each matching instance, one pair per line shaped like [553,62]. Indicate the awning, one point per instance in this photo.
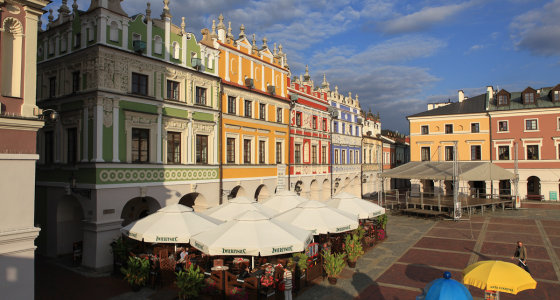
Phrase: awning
[468,171]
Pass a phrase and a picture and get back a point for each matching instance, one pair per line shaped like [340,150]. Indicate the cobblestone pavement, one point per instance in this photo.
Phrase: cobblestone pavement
[419,250]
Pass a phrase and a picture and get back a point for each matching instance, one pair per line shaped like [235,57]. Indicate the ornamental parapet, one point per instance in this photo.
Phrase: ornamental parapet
[310,169]
[353,168]
[371,167]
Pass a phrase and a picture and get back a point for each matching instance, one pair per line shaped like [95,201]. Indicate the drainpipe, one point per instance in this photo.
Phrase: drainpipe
[220,142]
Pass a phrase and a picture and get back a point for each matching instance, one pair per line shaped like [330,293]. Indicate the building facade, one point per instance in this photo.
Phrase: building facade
[435,133]
[396,152]
[255,107]
[138,100]
[372,155]
[309,139]
[525,128]
[346,149]
[19,124]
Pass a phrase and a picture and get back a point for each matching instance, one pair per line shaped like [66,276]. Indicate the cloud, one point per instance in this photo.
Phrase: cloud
[474,48]
[538,30]
[423,19]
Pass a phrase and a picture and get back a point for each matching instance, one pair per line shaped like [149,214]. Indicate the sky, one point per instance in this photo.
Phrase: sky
[396,55]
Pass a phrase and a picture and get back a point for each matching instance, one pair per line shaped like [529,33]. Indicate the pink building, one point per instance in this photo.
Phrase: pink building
[527,123]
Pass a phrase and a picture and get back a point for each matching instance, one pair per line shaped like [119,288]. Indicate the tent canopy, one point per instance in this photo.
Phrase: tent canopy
[468,171]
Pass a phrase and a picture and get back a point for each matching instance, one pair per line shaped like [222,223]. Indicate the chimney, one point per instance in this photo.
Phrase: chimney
[490,92]
[461,96]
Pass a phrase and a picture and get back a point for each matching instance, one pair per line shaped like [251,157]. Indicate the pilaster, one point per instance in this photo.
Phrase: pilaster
[85,131]
[124,37]
[158,137]
[167,37]
[98,131]
[102,29]
[116,130]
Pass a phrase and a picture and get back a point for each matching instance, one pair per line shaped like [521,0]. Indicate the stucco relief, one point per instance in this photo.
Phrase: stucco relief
[132,119]
[203,128]
[172,124]
[107,112]
[346,140]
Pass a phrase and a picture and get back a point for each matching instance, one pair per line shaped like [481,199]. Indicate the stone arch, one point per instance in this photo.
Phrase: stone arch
[69,217]
[533,185]
[195,200]
[315,193]
[137,208]
[326,190]
[262,193]
[237,191]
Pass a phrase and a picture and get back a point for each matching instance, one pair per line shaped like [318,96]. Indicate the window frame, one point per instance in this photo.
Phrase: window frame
[230,153]
[477,126]
[537,146]
[448,129]
[262,152]
[76,81]
[173,90]
[171,144]
[499,152]
[500,128]
[298,119]
[297,153]
[314,122]
[314,154]
[450,156]
[52,86]
[262,111]
[336,157]
[278,152]
[139,152]
[248,108]
[536,123]
[201,149]
[72,147]
[476,155]
[323,154]
[247,159]
[279,111]
[137,84]
[232,105]
[201,96]
[424,129]
[423,157]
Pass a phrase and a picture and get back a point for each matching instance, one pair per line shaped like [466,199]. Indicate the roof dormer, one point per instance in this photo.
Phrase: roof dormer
[554,94]
[502,98]
[529,95]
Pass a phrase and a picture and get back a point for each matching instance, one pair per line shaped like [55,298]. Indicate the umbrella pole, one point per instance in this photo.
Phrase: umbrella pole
[252,262]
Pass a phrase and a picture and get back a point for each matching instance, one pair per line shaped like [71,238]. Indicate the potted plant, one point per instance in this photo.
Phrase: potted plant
[333,265]
[353,248]
[381,233]
[120,251]
[237,293]
[300,260]
[136,272]
[190,282]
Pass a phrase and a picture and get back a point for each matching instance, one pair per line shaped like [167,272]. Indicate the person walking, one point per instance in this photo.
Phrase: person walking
[521,256]
[287,283]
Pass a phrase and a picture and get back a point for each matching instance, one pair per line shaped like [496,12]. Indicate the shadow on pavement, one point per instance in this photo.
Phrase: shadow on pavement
[422,273]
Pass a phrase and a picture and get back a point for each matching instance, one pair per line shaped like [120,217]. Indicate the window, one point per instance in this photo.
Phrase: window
[230,151]
[278,152]
[502,100]
[114,32]
[75,81]
[448,153]
[172,90]
[503,126]
[356,157]
[344,159]
[298,119]
[528,98]
[72,145]
[425,153]
[503,152]
[157,45]
[531,124]
[231,105]
[351,157]
[448,128]
[173,147]
[343,128]
[49,147]
[297,154]
[324,154]
[336,157]
[475,152]
[139,84]
[262,111]
[350,129]
[425,129]
[314,122]
[325,124]
[248,110]
[201,149]
[314,154]
[140,145]
[556,96]
[262,152]
[475,127]
[279,115]
[200,96]
[533,152]
[335,126]
[52,87]
[247,151]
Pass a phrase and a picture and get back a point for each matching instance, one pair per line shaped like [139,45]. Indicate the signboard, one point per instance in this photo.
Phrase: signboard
[552,196]
[281,177]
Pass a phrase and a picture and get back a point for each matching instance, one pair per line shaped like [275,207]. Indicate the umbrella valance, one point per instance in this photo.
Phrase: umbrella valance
[284,200]
[252,234]
[172,224]
[237,206]
[468,171]
[498,276]
[319,218]
[354,205]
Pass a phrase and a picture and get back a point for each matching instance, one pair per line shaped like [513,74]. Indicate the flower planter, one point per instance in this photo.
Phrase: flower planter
[332,280]
[351,264]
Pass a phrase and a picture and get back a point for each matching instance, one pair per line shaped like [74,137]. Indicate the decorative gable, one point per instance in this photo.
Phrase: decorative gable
[503,98]
[529,96]
[554,94]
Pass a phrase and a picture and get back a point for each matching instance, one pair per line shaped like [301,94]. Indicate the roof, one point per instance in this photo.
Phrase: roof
[468,171]
[472,105]
[542,100]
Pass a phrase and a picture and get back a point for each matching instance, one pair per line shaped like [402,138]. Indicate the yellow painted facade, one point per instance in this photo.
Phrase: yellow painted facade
[437,139]
[241,61]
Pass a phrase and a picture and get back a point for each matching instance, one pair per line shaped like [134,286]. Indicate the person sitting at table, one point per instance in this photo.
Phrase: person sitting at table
[180,264]
[245,273]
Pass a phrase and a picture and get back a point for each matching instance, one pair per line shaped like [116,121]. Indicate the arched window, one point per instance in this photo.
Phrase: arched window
[175,50]
[12,45]
[114,32]
[210,64]
[157,44]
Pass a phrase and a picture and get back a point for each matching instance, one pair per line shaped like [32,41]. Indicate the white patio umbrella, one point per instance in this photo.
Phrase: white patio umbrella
[354,205]
[172,224]
[237,206]
[319,218]
[251,234]
[284,200]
